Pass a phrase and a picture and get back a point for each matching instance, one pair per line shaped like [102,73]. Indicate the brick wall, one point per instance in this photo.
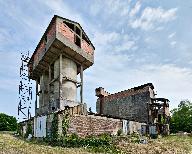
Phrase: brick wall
[86,47]
[129,104]
[87,125]
[51,32]
[39,52]
[66,31]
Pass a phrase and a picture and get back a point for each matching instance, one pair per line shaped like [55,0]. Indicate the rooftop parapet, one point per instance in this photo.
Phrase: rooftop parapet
[136,90]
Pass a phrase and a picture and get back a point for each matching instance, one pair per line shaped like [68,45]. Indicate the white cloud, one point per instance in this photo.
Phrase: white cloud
[170,81]
[114,41]
[124,46]
[152,16]
[59,7]
[135,10]
[173,43]
[110,7]
[105,38]
[171,35]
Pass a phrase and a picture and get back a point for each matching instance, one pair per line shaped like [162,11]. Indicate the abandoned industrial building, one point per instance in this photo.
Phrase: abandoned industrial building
[62,54]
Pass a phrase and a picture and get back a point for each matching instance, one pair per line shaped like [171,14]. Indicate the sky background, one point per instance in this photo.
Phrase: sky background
[136,42]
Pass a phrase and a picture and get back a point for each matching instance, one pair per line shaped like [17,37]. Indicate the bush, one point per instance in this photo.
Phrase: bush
[181,119]
[102,143]
[119,132]
[29,129]
[7,123]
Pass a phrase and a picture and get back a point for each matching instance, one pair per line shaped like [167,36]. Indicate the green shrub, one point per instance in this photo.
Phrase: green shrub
[7,123]
[29,129]
[54,129]
[119,132]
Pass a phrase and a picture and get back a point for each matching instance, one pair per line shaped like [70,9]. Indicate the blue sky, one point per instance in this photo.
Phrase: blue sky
[136,42]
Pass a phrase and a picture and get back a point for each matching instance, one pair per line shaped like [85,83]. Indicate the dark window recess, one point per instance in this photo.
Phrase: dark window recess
[77,41]
[71,26]
[78,31]
[38,80]
[83,37]
[53,108]
[52,71]
[159,118]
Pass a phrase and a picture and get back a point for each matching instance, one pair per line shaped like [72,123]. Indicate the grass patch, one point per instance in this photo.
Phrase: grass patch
[99,144]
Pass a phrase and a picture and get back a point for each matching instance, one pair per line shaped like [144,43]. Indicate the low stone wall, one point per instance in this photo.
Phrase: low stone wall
[93,125]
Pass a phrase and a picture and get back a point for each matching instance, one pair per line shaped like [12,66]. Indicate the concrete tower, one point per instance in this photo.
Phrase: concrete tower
[63,52]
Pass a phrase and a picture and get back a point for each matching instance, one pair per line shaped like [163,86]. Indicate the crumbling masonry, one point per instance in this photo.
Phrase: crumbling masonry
[62,54]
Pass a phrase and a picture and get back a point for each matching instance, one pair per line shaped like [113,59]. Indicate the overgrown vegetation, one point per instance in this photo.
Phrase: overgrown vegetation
[54,128]
[65,123]
[181,119]
[102,143]
[7,123]
[29,129]
[170,144]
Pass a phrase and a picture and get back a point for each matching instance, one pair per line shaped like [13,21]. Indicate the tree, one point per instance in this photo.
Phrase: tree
[7,123]
[181,119]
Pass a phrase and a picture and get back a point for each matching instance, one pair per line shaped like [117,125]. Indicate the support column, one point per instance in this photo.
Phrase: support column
[36,97]
[49,88]
[43,91]
[81,90]
[60,78]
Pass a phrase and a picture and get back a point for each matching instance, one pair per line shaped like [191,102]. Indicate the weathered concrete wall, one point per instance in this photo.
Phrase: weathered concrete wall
[93,125]
[130,105]
[43,94]
[69,73]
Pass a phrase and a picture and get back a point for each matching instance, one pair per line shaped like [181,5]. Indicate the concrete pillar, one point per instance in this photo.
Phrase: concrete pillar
[69,71]
[67,85]
[41,94]
[81,90]
[45,91]
[56,82]
[36,92]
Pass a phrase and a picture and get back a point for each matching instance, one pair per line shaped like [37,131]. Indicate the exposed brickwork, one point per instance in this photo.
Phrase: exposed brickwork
[125,93]
[87,125]
[130,104]
[66,31]
[86,47]
[51,32]
[39,52]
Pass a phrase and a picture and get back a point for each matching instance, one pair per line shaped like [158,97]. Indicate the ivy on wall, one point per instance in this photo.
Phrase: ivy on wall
[54,128]
[65,123]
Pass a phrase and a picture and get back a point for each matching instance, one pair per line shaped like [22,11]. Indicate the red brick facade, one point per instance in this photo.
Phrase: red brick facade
[51,32]
[39,52]
[125,93]
[66,31]
[86,47]
[93,125]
